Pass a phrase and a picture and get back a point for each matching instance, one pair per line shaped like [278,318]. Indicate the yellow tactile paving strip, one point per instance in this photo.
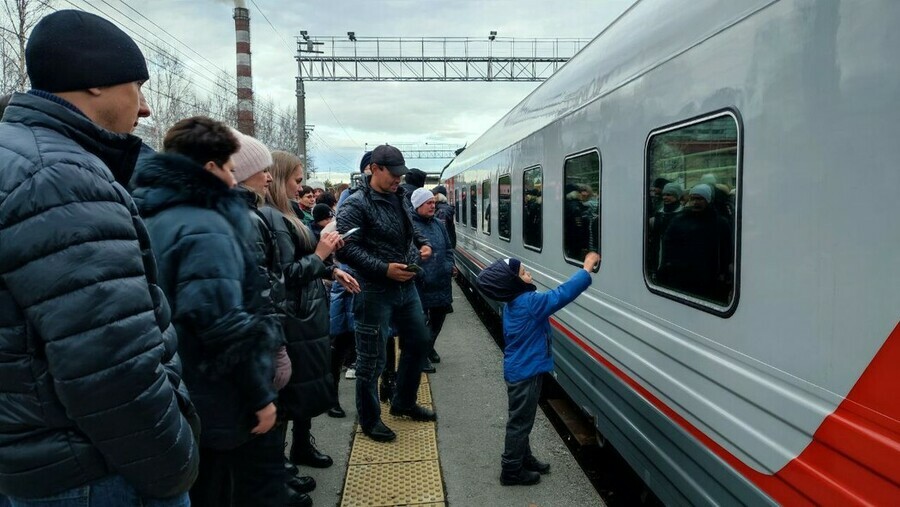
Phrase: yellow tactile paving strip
[403,472]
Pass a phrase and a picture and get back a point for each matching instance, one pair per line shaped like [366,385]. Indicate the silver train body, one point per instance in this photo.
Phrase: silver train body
[782,388]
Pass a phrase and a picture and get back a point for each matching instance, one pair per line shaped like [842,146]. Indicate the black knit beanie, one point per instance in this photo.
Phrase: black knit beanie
[73,50]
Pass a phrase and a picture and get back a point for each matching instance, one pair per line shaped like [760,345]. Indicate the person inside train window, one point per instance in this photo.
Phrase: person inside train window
[486,207]
[463,207]
[504,199]
[655,202]
[526,353]
[696,253]
[532,209]
[577,230]
[659,222]
[473,206]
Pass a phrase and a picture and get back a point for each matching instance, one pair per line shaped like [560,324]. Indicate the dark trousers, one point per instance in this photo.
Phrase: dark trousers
[300,436]
[251,474]
[342,346]
[434,319]
[523,402]
[375,308]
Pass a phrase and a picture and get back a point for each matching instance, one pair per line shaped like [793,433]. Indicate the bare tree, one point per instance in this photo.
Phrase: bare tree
[19,17]
[169,94]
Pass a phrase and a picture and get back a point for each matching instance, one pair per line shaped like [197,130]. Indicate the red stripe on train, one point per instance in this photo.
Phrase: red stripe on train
[854,456]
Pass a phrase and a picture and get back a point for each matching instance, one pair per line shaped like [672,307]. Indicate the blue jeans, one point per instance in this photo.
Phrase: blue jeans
[110,491]
[374,310]
[523,401]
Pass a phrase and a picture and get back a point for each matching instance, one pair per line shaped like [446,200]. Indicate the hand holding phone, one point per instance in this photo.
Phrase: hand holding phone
[413,268]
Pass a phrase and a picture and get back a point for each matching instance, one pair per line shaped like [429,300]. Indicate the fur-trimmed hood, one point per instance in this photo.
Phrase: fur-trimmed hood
[167,180]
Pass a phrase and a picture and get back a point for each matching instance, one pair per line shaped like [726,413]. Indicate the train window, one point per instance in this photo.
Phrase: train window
[462,206]
[504,204]
[473,206]
[486,206]
[456,206]
[533,208]
[690,240]
[581,206]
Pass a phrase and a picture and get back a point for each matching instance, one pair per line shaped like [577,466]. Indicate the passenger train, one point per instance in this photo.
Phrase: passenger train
[752,357]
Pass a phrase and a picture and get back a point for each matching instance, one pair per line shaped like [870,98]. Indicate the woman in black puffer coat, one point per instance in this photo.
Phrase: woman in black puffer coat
[310,391]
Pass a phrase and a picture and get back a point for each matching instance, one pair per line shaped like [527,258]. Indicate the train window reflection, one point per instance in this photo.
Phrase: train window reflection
[473,203]
[504,203]
[532,208]
[692,177]
[486,207]
[456,205]
[581,206]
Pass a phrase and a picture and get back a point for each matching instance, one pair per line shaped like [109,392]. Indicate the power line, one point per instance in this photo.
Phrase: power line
[290,47]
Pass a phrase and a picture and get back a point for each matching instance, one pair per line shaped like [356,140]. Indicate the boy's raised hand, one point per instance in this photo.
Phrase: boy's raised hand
[591,260]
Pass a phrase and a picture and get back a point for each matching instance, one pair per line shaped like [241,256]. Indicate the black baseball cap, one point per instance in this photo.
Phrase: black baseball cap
[390,157]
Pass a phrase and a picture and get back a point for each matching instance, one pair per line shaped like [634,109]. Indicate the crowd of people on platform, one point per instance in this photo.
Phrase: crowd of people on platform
[164,317]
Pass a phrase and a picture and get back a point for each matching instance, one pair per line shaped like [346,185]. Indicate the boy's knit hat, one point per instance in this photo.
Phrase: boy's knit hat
[500,281]
[251,158]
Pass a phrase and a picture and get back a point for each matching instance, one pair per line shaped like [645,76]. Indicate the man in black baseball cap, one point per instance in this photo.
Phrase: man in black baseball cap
[390,158]
[381,255]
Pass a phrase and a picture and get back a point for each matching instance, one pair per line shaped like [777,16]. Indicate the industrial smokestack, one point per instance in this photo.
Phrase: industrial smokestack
[246,123]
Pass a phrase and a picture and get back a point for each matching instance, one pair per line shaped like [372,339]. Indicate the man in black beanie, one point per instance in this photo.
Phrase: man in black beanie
[93,403]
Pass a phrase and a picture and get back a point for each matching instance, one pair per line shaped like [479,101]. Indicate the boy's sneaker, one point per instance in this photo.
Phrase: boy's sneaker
[521,477]
[351,372]
[531,463]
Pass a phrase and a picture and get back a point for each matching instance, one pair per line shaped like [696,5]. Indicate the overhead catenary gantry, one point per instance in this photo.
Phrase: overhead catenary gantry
[425,59]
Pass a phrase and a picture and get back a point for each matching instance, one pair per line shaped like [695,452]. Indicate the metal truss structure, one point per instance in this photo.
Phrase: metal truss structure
[422,150]
[422,59]
[431,58]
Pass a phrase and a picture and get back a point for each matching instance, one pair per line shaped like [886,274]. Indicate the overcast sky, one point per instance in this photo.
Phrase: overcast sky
[365,112]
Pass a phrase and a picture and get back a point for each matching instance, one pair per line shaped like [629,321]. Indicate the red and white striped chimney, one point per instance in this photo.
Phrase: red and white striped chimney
[246,123]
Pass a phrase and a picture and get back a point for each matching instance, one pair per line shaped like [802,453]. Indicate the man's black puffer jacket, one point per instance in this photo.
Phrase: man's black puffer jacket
[201,232]
[310,391]
[89,382]
[385,236]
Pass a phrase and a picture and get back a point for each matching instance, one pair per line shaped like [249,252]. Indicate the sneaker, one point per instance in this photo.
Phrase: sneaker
[351,373]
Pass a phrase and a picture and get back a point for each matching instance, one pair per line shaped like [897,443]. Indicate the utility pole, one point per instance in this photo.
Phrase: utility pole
[303,46]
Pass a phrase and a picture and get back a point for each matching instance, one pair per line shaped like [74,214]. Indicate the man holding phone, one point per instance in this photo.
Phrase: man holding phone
[382,252]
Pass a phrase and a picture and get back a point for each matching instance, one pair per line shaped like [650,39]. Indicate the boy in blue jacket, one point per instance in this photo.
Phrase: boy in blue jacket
[526,355]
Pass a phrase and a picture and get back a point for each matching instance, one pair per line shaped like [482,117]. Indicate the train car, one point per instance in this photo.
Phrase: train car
[745,351]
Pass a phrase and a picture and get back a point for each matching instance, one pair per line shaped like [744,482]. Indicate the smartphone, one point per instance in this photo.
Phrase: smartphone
[349,233]
[413,268]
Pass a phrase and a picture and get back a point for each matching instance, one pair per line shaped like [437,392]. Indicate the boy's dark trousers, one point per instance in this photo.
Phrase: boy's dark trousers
[523,401]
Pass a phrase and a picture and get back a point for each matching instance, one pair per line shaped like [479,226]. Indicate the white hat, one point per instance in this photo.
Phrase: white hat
[420,196]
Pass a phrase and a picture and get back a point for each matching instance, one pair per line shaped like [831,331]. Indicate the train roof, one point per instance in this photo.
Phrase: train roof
[646,35]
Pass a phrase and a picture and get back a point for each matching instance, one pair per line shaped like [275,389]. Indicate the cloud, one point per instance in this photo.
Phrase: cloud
[365,112]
